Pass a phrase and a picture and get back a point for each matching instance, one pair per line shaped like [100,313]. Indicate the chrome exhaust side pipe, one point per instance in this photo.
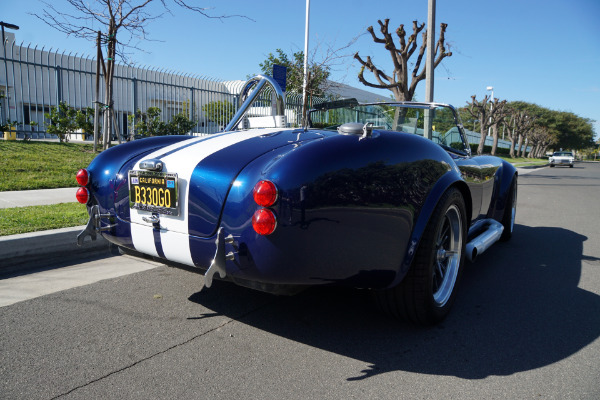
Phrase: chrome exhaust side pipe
[490,235]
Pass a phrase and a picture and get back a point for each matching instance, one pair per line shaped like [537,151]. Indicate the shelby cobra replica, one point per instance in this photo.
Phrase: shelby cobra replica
[379,196]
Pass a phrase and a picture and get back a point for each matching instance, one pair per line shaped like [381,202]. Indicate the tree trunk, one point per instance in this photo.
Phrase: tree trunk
[399,117]
[108,79]
[495,137]
[512,140]
[533,151]
[512,147]
[482,138]
[519,145]
[107,123]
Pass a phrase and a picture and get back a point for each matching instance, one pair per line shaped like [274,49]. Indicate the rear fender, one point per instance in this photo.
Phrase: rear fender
[452,178]
[295,168]
[507,173]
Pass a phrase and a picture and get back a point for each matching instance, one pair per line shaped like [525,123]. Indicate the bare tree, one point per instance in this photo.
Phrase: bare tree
[540,138]
[489,115]
[519,124]
[123,23]
[398,81]
[499,114]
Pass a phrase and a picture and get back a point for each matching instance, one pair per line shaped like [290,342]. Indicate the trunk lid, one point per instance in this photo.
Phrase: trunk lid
[206,168]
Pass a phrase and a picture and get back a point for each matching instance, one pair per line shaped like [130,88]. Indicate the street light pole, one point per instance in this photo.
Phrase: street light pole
[305,82]
[16,28]
[491,108]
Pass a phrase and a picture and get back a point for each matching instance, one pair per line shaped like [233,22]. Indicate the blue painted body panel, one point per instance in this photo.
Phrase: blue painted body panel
[351,211]
[346,212]
[214,175]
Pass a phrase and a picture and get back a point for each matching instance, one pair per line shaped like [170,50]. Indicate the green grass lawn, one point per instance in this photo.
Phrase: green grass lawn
[525,162]
[41,165]
[39,218]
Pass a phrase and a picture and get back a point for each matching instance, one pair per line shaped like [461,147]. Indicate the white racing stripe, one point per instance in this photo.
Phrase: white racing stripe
[174,235]
[143,238]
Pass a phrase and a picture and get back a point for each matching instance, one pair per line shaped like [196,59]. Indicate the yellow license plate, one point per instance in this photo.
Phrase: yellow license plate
[156,192]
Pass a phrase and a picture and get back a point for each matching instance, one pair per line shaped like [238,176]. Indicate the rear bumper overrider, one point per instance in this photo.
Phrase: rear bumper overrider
[96,224]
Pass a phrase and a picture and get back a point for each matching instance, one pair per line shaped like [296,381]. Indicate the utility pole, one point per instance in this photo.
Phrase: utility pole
[429,65]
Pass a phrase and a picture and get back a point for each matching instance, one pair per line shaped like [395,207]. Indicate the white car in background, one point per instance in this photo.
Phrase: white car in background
[561,158]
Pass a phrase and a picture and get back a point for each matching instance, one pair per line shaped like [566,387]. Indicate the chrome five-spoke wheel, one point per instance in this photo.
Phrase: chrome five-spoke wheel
[447,262]
[427,292]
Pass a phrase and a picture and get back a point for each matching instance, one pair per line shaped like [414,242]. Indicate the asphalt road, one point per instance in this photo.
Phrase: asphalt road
[526,324]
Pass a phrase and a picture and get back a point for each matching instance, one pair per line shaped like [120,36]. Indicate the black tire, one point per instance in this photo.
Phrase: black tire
[571,166]
[427,292]
[510,211]
[551,165]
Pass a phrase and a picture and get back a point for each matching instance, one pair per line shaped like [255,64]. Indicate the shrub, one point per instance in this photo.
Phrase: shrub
[61,121]
[150,123]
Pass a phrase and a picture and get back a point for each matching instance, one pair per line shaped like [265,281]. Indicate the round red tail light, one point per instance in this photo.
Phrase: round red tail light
[264,222]
[265,193]
[83,195]
[82,177]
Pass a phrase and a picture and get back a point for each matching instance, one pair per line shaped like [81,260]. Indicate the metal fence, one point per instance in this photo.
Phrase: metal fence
[473,138]
[34,80]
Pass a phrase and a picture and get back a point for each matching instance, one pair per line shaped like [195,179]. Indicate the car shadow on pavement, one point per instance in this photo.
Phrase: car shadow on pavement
[519,308]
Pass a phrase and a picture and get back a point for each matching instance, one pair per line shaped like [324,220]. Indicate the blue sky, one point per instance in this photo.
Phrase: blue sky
[540,51]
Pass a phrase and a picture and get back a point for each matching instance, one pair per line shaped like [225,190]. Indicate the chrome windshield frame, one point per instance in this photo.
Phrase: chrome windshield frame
[422,106]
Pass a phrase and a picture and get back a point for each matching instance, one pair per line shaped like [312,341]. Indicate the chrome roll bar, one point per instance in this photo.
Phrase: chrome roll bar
[258,83]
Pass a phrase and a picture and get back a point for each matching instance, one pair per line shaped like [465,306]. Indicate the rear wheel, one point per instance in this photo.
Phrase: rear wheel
[427,292]
[510,211]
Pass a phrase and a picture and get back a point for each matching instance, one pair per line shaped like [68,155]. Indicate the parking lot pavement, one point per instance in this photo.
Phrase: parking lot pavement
[38,197]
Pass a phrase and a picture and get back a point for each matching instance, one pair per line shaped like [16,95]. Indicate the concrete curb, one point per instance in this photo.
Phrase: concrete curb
[30,250]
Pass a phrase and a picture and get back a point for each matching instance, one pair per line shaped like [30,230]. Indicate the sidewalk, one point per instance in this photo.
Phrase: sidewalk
[37,197]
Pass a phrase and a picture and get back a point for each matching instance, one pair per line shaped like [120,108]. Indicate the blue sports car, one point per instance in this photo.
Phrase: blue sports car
[383,196]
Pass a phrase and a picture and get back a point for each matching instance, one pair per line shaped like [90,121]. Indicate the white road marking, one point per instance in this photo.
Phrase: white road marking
[525,171]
